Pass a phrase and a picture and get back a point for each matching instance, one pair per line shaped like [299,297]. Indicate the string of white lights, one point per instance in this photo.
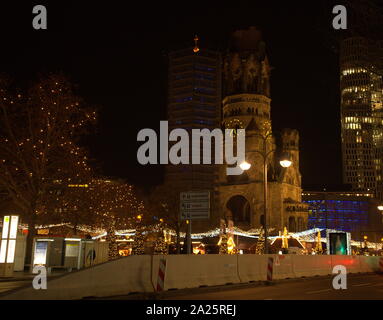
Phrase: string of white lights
[305,236]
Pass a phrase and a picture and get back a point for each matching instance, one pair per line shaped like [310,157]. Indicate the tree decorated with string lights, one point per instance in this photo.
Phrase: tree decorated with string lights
[160,246]
[223,247]
[164,203]
[114,204]
[74,207]
[138,246]
[39,131]
[72,203]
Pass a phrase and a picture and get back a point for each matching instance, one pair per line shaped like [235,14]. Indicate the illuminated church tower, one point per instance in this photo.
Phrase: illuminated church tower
[246,105]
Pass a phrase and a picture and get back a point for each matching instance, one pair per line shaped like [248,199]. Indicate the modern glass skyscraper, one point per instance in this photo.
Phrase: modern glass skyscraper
[362,114]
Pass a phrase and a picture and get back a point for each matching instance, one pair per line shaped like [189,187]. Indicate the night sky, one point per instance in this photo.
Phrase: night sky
[116,55]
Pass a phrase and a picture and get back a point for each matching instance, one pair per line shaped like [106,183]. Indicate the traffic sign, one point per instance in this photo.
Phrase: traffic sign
[195,205]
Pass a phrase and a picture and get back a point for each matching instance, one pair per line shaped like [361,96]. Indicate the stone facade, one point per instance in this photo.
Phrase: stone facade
[247,106]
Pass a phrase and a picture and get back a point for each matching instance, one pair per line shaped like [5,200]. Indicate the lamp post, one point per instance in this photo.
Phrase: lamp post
[285,162]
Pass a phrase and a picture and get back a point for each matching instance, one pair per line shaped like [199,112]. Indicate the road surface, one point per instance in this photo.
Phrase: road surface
[9,285]
[359,286]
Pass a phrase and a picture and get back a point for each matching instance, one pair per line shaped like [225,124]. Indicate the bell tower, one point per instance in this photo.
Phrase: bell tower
[246,105]
[246,74]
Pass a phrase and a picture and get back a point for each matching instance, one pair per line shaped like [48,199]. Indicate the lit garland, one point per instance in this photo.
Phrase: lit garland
[310,235]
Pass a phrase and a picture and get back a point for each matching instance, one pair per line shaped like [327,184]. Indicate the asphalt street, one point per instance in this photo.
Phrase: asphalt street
[359,287]
[9,285]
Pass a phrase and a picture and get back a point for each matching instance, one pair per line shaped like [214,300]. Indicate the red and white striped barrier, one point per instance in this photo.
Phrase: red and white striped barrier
[161,275]
[270,269]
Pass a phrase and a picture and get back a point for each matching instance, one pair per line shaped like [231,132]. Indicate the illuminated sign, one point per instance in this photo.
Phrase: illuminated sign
[11,251]
[40,257]
[13,229]
[3,250]
[338,243]
[72,249]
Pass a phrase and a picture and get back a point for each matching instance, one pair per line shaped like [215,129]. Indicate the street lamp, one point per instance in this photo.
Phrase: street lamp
[380,208]
[245,166]
[285,162]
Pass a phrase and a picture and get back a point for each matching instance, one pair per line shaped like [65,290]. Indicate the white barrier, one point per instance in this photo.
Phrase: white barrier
[352,263]
[122,276]
[285,268]
[139,273]
[371,264]
[309,266]
[252,267]
[192,271]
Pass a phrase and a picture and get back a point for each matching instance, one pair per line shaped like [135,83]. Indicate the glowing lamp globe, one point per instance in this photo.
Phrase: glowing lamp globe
[245,166]
[380,208]
[285,163]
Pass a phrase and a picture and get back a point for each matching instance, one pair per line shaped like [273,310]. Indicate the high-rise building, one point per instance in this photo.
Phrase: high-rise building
[194,102]
[194,95]
[362,114]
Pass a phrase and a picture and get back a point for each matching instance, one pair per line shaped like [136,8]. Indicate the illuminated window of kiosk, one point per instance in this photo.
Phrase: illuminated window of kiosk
[41,249]
[3,250]
[8,241]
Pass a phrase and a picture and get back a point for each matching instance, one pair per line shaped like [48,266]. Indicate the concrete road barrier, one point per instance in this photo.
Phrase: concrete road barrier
[191,271]
[139,273]
[352,263]
[122,276]
[370,264]
[252,267]
[309,266]
[285,269]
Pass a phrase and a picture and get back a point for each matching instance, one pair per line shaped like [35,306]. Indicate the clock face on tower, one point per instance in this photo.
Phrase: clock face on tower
[234,125]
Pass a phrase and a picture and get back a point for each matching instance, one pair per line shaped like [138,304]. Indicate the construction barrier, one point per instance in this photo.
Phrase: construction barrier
[252,267]
[283,266]
[122,276]
[161,275]
[270,265]
[370,264]
[308,266]
[140,273]
[193,271]
[352,263]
